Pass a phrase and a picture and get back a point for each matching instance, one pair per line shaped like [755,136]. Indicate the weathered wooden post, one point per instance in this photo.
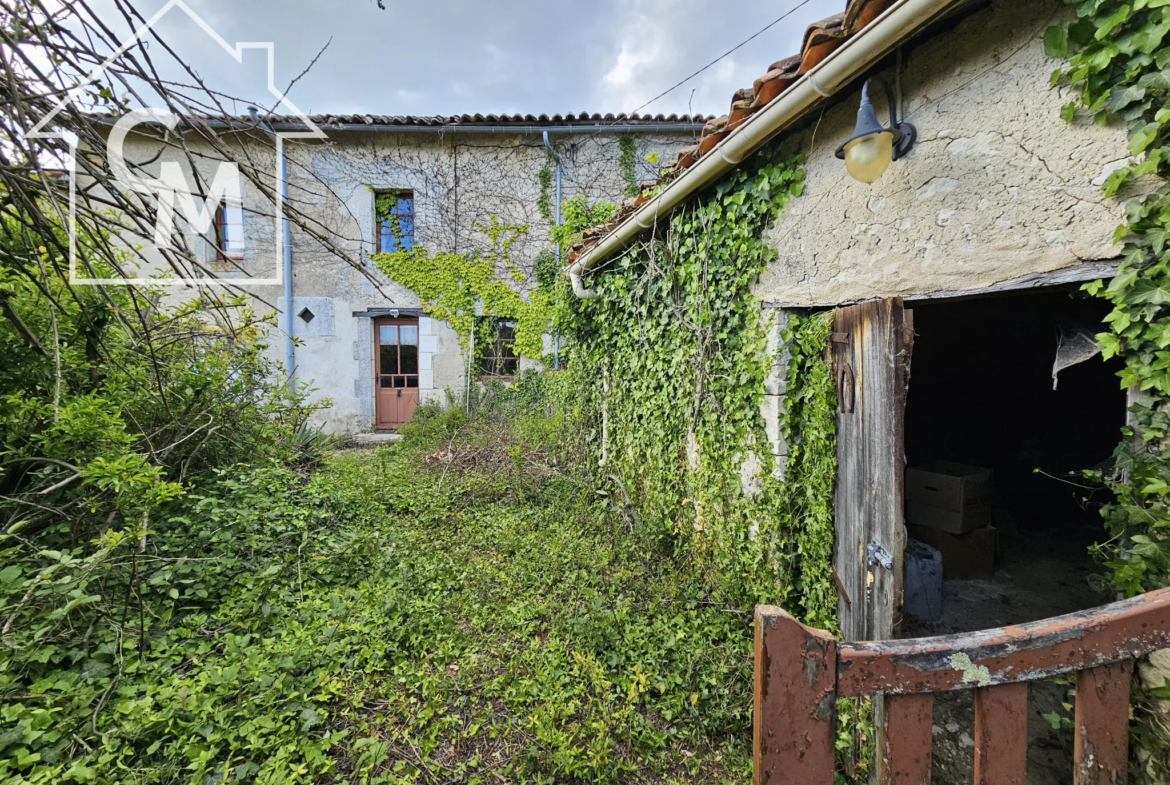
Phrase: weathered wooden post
[795,701]
[1101,719]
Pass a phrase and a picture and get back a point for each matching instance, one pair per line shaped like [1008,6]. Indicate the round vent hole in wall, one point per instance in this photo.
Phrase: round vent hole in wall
[307,315]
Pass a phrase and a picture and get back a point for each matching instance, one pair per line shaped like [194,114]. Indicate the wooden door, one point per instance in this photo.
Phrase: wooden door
[871,353]
[395,371]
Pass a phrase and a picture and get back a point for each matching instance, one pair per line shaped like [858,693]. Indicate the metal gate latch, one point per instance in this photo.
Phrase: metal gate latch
[876,554]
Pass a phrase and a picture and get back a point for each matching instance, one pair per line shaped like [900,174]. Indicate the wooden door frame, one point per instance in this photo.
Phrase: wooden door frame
[377,322]
[871,348]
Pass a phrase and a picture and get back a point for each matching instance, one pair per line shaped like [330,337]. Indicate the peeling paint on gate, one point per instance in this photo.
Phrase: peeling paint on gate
[794,702]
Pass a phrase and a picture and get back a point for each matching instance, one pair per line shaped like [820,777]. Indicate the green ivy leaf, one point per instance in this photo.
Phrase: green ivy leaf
[1054,719]
[1143,137]
[1122,98]
[1110,344]
[1146,290]
[1099,58]
[1114,181]
[1056,41]
[1156,82]
[1150,164]
[1106,25]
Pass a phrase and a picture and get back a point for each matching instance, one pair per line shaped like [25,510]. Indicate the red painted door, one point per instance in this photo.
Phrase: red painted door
[395,370]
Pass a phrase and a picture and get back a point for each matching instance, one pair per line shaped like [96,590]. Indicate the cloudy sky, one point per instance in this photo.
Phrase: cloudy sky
[505,56]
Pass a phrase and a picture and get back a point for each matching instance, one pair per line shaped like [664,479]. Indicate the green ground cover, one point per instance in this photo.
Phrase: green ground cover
[459,607]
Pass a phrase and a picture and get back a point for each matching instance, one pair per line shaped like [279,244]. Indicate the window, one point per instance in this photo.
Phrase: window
[499,358]
[229,237]
[397,355]
[395,213]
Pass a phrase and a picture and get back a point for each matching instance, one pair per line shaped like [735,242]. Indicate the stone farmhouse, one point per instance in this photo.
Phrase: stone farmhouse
[364,342]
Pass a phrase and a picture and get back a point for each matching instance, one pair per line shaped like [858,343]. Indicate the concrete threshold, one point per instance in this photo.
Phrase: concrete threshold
[363,439]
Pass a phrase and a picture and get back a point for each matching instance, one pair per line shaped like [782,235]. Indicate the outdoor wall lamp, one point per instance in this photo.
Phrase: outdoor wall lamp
[869,151]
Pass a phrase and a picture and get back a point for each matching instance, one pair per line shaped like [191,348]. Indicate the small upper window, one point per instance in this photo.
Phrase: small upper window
[229,232]
[395,221]
[499,358]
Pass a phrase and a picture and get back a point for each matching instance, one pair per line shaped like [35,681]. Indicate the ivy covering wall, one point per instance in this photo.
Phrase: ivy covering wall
[672,358]
[1119,71]
[450,284]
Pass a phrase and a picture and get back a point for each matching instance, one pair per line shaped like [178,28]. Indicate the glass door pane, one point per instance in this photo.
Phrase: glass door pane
[387,352]
[408,349]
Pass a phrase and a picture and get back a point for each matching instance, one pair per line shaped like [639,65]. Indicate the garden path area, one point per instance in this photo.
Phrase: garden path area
[503,631]
[459,606]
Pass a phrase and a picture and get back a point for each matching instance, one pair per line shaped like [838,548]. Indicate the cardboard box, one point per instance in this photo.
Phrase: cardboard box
[952,497]
[964,556]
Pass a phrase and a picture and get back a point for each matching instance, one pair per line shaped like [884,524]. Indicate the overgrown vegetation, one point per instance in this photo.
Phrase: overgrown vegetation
[628,162]
[194,589]
[450,285]
[673,356]
[674,347]
[453,286]
[577,215]
[458,607]
[1117,72]
[116,411]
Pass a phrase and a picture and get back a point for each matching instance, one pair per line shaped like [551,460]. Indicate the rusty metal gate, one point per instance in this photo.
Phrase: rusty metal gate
[800,672]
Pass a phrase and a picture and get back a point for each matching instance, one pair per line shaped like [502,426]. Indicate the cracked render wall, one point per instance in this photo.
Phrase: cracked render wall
[997,186]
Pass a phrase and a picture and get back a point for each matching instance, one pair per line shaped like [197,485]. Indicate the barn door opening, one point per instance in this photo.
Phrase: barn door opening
[395,371]
[994,491]
[872,343]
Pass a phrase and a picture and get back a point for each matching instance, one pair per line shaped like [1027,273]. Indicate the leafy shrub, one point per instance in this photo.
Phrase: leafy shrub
[169,662]
[377,617]
[115,411]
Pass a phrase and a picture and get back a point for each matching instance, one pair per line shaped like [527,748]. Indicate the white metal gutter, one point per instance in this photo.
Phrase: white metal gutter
[852,58]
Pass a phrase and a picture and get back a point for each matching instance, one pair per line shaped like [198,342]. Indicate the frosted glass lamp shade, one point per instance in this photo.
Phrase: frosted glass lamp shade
[871,148]
[867,157]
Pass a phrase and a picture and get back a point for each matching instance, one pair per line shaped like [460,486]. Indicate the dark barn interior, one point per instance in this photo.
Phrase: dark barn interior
[981,393]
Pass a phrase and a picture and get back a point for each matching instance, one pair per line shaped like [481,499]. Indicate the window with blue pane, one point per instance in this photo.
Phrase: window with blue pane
[395,221]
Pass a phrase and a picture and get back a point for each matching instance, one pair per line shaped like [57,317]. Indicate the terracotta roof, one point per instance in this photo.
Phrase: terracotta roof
[584,118]
[820,39]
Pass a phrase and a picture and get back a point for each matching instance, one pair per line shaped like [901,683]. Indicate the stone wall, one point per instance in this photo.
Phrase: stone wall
[997,186]
[459,182]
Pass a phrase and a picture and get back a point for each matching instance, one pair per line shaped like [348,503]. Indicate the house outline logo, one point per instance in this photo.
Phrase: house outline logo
[162,115]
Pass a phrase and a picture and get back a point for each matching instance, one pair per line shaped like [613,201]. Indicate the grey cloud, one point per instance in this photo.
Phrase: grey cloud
[456,56]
